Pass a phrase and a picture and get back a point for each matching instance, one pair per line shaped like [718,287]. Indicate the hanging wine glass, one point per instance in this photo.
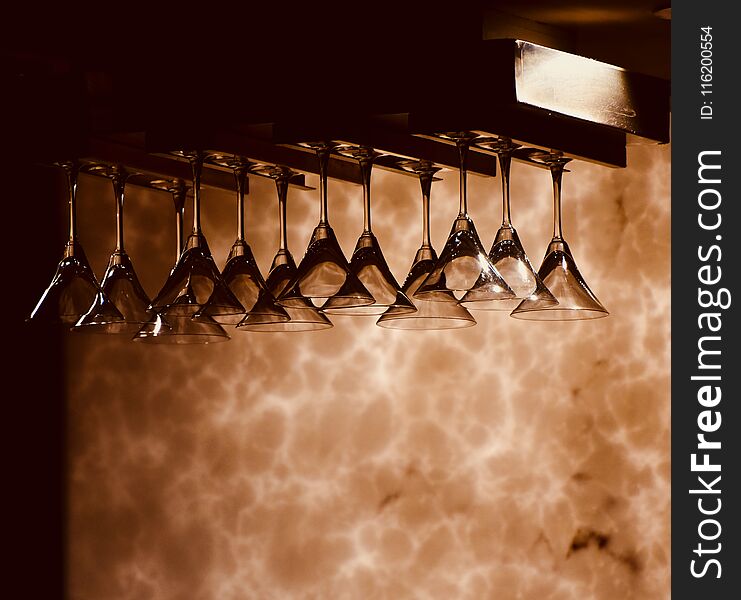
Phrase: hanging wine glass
[559,271]
[120,283]
[463,265]
[507,254]
[430,314]
[179,329]
[324,272]
[241,273]
[195,281]
[368,263]
[304,316]
[73,290]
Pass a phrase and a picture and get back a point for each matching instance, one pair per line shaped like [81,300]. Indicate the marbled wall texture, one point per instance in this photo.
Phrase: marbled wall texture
[511,460]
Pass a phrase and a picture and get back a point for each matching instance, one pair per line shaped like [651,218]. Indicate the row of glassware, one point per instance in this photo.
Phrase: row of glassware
[197,300]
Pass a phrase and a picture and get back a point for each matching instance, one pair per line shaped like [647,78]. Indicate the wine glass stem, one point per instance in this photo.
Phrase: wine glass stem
[240,175]
[196,164]
[463,156]
[505,162]
[178,197]
[119,183]
[323,154]
[281,183]
[425,180]
[366,166]
[72,172]
[556,173]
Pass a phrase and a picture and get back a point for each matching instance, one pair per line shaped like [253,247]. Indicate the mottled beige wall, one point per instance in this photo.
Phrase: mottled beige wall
[510,460]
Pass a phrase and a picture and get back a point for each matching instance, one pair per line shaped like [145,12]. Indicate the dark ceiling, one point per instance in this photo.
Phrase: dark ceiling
[77,72]
[294,35]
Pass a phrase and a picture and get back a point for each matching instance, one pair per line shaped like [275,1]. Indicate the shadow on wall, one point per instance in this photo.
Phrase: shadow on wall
[511,459]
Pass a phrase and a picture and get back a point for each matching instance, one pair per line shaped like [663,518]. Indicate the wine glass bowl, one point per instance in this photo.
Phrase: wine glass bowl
[71,291]
[120,283]
[463,265]
[174,328]
[367,262]
[324,271]
[74,289]
[195,281]
[303,315]
[181,330]
[241,273]
[430,314]
[559,272]
[507,253]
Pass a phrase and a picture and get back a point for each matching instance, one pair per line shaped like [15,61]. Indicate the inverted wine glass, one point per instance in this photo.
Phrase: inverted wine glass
[463,264]
[179,329]
[368,263]
[195,281]
[241,273]
[324,271]
[304,316]
[430,314]
[73,289]
[120,283]
[559,271]
[507,253]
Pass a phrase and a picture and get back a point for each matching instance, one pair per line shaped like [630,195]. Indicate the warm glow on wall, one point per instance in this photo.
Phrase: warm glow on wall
[508,460]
